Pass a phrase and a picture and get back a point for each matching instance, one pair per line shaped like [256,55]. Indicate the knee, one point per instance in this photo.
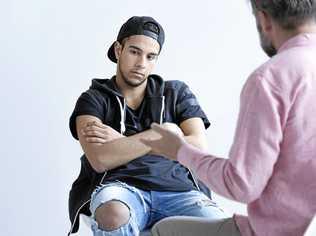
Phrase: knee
[112,215]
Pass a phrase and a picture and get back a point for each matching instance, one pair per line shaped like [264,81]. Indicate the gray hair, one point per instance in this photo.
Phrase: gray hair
[290,14]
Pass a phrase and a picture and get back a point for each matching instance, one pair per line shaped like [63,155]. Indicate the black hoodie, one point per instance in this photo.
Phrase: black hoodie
[170,101]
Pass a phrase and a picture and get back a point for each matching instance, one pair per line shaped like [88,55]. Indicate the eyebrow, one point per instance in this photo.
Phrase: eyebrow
[139,49]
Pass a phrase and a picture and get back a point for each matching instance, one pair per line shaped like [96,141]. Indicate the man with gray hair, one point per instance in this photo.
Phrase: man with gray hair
[272,162]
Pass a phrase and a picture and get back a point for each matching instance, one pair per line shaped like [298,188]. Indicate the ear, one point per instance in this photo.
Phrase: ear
[265,21]
[117,49]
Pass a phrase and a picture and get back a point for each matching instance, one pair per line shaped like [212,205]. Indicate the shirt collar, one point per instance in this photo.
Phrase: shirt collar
[298,41]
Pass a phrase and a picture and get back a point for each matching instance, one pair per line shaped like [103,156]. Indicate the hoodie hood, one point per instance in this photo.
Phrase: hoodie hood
[153,96]
[155,86]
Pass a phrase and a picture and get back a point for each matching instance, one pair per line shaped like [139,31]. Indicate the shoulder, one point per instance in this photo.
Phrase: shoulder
[175,84]
[178,87]
[91,96]
[99,90]
[156,83]
[284,70]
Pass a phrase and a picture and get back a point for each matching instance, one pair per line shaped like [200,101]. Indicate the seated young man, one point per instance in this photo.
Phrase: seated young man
[123,185]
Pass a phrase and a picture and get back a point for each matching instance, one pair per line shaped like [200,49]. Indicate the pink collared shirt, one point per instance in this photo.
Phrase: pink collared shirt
[272,162]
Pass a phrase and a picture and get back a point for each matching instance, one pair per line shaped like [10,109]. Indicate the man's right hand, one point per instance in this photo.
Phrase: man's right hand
[173,128]
[170,127]
[99,133]
[169,143]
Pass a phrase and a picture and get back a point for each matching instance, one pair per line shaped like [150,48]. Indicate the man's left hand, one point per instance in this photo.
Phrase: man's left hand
[99,133]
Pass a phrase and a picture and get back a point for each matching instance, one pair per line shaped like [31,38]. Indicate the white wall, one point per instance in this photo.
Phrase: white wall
[50,50]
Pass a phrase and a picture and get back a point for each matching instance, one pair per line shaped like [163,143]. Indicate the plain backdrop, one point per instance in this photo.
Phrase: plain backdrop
[50,51]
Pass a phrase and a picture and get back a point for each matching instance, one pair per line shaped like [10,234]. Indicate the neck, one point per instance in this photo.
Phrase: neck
[133,95]
[281,35]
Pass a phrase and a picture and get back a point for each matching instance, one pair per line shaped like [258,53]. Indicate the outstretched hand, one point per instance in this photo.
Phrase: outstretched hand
[169,143]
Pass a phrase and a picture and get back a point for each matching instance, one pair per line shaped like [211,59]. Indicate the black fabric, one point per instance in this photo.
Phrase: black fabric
[149,172]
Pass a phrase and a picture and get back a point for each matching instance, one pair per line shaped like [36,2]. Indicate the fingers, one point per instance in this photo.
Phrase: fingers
[94,133]
[159,129]
[95,140]
[147,142]
[97,124]
[92,129]
[165,132]
[152,144]
[158,147]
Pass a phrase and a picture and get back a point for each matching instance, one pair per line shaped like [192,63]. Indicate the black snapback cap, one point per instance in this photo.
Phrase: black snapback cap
[139,25]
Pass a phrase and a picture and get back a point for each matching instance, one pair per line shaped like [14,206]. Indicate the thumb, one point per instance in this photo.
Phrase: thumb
[159,129]
[147,142]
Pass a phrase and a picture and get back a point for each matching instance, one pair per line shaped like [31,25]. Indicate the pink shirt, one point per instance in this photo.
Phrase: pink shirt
[272,162]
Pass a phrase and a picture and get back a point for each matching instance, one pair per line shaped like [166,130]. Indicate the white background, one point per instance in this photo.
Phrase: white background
[50,51]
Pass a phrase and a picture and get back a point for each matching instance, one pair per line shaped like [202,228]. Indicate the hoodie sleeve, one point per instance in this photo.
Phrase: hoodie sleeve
[187,106]
[89,103]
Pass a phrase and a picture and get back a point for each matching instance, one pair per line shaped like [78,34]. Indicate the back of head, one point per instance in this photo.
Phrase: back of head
[289,14]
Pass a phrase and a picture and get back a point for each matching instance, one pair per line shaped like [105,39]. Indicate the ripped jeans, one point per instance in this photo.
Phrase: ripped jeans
[148,207]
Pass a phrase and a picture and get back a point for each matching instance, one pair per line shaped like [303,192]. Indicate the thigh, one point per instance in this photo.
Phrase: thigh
[188,226]
[190,203]
[133,198]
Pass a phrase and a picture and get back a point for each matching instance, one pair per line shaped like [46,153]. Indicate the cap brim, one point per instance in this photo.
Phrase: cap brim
[111,53]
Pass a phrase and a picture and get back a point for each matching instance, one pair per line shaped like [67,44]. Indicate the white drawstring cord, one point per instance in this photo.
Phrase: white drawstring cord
[162,110]
[122,109]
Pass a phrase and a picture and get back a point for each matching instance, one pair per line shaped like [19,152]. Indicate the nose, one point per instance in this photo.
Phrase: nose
[141,61]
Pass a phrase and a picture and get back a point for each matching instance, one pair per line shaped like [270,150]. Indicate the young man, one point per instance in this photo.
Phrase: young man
[132,187]
[272,162]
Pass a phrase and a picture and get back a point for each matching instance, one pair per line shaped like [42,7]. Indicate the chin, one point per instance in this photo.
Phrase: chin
[269,50]
[266,44]
[135,82]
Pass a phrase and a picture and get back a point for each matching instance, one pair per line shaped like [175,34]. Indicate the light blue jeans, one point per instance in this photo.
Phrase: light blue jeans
[148,207]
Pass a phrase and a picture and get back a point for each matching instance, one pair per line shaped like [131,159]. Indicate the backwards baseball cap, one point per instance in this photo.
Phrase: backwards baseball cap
[139,25]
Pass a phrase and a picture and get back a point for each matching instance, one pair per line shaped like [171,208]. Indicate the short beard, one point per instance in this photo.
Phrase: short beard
[129,82]
[266,44]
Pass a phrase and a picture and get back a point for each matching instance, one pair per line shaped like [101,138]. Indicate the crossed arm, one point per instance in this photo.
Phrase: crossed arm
[107,149]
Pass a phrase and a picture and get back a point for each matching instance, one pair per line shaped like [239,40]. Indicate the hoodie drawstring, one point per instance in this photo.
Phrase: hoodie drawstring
[122,109]
[123,112]
[162,111]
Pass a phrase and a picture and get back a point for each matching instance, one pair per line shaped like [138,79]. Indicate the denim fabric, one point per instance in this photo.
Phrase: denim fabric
[148,207]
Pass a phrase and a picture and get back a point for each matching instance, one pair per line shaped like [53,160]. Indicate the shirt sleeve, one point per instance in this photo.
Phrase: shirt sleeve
[188,107]
[89,103]
[254,152]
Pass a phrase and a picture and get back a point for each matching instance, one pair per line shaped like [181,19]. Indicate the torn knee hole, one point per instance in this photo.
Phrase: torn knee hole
[112,215]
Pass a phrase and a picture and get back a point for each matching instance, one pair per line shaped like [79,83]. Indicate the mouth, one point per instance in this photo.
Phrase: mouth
[138,74]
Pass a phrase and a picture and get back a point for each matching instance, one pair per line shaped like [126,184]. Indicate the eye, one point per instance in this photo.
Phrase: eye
[151,57]
[133,51]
